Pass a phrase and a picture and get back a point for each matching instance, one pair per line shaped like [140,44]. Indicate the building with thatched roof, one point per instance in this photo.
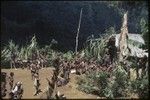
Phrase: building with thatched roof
[129,44]
[134,42]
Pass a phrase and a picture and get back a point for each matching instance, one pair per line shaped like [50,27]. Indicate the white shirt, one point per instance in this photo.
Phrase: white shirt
[35,82]
[15,89]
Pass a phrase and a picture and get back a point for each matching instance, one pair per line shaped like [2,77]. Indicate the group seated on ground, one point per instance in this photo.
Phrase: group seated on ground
[15,91]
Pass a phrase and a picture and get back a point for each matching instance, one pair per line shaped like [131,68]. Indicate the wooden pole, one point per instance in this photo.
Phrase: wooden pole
[77,36]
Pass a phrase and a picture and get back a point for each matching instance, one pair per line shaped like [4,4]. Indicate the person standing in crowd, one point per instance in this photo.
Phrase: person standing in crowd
[11,80]
[36,83]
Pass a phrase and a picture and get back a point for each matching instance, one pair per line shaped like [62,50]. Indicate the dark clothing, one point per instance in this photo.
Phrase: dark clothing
[11,80]
[106,60]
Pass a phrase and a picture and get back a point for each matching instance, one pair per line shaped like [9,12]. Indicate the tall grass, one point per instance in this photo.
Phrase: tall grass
[7,51]
[26,51]
[95,47]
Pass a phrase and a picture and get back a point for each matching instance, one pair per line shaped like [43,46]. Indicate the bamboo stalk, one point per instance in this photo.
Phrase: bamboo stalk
[77,36]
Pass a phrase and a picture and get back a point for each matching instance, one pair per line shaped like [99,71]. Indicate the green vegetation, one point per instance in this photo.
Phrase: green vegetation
[96,47]
[113,85]
[120,82]
[26,52]
[102,83]
[68,55]
[140,86]
[144,31]
[7,51]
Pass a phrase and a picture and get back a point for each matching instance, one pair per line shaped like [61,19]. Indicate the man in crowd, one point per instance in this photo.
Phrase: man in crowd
[106,59]
[13,60]
[33,70]
[17,91]
[11,80]
[3,84]
[36,83]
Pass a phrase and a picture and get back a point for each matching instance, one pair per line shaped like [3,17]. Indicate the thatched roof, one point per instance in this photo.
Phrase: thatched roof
[135,50]
[134,37]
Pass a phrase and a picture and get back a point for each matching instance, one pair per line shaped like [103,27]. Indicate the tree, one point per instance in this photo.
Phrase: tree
[123,38]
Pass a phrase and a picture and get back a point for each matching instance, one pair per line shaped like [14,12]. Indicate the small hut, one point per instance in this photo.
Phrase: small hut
[134,42]
[129,44]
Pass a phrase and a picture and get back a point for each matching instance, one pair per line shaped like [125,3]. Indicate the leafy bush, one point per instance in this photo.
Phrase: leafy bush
[95,47]
[85,84]
[112,85]
[103,85]
[96,83]
[140,86]
[120,82]
[27,51]
[69,55]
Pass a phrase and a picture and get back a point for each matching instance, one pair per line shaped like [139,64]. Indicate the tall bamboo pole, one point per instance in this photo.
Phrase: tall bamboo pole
[77,36]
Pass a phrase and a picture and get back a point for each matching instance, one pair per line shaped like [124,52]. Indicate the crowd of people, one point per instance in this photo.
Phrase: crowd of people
[15,90]
[77,65]
[40,58]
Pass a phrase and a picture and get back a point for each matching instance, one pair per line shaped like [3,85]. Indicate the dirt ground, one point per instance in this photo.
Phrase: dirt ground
[24,76]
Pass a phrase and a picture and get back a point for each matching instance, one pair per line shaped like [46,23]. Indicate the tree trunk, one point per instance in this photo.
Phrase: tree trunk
[123,38]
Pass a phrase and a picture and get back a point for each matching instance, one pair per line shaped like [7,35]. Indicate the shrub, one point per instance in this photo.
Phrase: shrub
[95,47]
[140,86]
[68,55]
[103,85]
[96,83]
[113,85]
[120,82]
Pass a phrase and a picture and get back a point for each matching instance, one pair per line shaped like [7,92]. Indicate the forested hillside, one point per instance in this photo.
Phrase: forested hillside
[59,20]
